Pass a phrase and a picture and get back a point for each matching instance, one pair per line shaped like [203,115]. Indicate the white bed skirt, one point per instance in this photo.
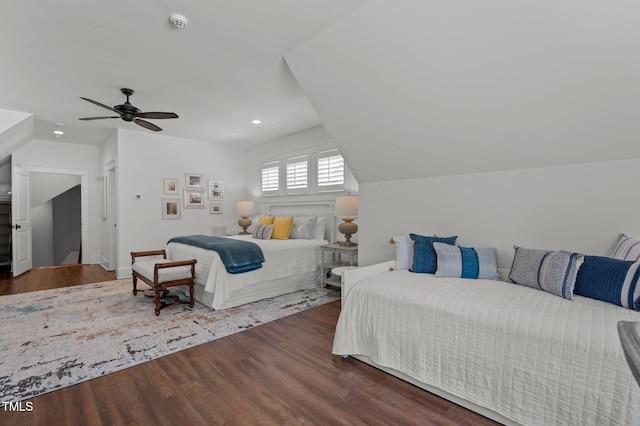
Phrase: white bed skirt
[258,291]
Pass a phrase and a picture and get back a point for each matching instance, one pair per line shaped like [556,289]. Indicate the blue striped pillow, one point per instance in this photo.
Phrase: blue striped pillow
[466,262]
[551,271]
[610,280]
[424,255]
[628,248]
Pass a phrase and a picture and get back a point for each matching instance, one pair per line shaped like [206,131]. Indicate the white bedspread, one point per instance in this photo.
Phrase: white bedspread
[283,258]
[533,357]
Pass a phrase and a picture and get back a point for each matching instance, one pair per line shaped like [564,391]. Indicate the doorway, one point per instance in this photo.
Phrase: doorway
[36,184]
[56,231]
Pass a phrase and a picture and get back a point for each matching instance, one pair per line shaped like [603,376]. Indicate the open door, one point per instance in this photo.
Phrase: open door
[21,215]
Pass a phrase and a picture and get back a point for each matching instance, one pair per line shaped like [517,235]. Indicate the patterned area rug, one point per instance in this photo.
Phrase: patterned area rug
[56,338]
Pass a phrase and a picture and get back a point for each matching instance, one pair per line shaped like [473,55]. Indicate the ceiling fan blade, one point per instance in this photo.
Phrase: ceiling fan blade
[98,103]
[147,125]
[96,118]
[157,115]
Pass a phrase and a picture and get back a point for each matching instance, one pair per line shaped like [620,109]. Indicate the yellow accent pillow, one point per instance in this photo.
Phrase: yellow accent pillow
[266,220]
[282,227]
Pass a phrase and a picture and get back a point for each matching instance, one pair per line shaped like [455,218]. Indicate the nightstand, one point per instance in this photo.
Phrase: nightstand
[335,256]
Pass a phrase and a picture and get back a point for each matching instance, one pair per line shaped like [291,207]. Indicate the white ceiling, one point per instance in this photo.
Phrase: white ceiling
[220,72]
[415,88]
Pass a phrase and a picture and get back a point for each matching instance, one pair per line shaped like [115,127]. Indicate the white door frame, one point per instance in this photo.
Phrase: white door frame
[84,202]
[112,216]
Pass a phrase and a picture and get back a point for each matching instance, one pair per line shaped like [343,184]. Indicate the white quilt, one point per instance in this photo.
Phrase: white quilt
[283,258]
[530,356]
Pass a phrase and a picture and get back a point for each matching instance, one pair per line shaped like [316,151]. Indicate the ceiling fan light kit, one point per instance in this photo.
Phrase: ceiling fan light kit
[129,113]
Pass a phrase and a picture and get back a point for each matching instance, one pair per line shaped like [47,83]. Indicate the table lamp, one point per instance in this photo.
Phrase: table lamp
[347,208]
[244,209]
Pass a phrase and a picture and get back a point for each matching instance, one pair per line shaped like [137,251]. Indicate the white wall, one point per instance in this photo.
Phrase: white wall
[42,234]
[45,186]
[577,207]
[144,159]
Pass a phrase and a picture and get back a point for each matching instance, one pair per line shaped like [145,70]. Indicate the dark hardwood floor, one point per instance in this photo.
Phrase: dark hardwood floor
[52,277]
[282,372]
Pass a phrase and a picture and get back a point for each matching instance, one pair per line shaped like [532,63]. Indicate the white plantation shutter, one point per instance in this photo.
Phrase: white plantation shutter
[297,174]
[270,177]
[330,171]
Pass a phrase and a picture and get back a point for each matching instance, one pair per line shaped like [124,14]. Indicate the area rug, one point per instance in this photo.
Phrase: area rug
[56,338]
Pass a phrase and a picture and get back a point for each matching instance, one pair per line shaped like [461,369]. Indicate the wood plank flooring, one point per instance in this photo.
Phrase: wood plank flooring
[278,373]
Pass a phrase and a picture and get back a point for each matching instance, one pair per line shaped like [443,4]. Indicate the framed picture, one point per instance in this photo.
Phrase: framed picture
[215,208]
[170,186]
[216,189]
[193,199]
[170,208]
[194,181]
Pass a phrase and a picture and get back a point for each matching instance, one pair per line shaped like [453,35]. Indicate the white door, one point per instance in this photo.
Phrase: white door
[21,217]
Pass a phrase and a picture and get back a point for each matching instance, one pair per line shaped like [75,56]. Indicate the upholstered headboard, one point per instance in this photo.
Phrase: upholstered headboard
[323,208]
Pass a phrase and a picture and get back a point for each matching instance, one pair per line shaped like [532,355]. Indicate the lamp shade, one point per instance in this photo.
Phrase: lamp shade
[346,205]
[245,208]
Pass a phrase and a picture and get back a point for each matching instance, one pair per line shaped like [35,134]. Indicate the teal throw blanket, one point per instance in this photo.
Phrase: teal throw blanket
[237,256]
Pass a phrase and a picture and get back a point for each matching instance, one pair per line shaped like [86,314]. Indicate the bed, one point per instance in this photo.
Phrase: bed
[290,265]
[512,353]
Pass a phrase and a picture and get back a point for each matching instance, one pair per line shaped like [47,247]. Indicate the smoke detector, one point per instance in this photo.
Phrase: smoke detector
[178,21]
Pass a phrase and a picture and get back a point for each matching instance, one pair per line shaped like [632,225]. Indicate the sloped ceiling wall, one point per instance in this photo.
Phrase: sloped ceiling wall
[415,88]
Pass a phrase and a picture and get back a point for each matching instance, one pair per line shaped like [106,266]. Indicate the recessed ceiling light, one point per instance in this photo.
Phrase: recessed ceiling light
[58,132]
[59,124]
[256,121]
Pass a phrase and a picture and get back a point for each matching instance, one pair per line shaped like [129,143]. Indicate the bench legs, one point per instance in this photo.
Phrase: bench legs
[160,293]
[149,273]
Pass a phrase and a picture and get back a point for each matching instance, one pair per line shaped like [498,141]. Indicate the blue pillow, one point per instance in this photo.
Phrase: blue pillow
[610,280]
[424,255]
[466,262]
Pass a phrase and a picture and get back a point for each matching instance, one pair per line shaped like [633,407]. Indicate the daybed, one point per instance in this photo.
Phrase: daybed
[290,265]
[513,353]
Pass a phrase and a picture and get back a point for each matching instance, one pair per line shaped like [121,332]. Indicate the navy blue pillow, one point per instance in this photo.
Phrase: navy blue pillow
[425,259]
[610,280]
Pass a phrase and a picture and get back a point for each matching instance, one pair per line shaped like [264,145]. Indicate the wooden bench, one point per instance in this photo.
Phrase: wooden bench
[161,274]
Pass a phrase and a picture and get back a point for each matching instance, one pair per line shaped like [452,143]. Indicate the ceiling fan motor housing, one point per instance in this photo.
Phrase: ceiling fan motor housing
[128,112]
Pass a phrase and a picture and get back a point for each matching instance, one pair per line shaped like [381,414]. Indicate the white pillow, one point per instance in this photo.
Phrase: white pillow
[263,232]
[628,248]
[318,233]
[404,251]
[303,227]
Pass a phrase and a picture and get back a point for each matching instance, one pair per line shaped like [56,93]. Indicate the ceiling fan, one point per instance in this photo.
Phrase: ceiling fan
[128,112]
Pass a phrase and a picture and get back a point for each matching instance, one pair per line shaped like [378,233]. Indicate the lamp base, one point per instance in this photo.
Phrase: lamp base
[245,222]
[348,228]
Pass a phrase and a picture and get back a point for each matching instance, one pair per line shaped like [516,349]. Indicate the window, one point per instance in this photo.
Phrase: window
[270,177]
[330,171]
[297,174]
[305,172]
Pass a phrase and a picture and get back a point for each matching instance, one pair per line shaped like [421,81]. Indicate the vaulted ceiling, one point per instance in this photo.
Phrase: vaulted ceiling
[405,88]
[223,70]
[415,88]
